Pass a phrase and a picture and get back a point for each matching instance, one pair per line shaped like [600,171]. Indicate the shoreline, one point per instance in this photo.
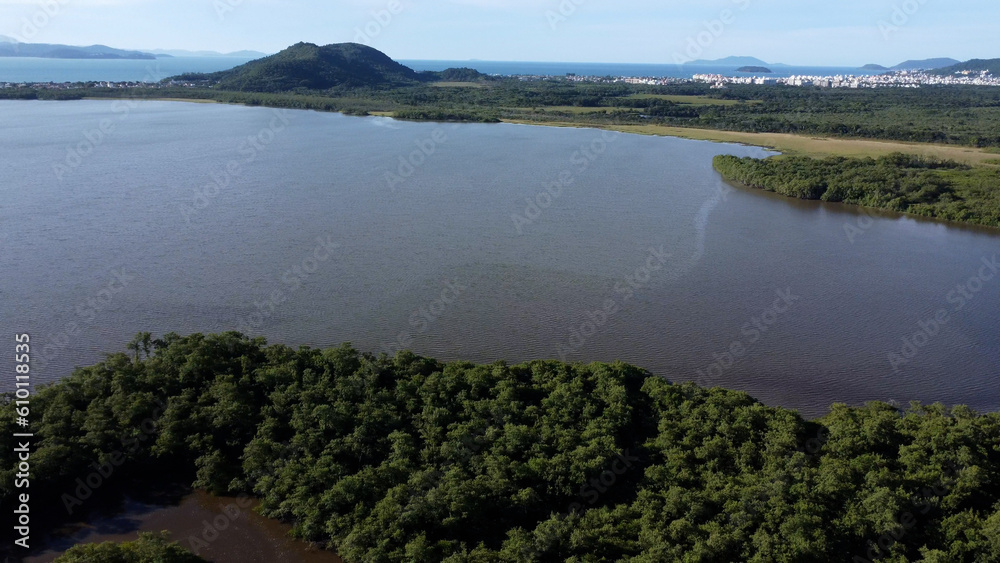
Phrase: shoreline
[785,143]
[855,210]
[793,145]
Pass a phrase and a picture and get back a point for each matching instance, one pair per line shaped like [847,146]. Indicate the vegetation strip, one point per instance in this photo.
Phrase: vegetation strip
[409,459]
[898,182]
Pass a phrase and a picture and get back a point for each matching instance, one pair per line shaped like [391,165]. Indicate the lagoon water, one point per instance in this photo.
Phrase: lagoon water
[148,227]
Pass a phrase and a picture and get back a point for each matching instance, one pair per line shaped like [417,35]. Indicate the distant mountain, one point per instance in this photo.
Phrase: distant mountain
[311,67]
[974,66]
[874,67]
[184,53]
[926,64]
[10,47]
[733,61]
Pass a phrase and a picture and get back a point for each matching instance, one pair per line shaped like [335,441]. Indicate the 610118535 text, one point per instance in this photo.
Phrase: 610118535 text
[22,384]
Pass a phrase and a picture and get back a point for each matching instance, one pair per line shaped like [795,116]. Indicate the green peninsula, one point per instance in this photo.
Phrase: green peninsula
[902,183]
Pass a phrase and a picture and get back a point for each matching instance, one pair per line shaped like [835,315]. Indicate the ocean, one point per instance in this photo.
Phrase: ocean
[27,69]
[622,69]
[13,69]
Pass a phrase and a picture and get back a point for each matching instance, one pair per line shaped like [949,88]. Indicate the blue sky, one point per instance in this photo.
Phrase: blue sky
[831,32]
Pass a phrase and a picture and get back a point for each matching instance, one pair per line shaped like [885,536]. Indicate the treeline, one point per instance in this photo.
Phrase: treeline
[898,182]
[951,115]
[965,115]
[148,548]
[954,115]
[408,459]
[452,115]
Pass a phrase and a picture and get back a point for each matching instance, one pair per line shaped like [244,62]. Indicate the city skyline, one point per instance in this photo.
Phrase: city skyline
[849,33]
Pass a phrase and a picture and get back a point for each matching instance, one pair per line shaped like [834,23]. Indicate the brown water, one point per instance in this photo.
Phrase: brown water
[223,529]
[246,254]
[644,256]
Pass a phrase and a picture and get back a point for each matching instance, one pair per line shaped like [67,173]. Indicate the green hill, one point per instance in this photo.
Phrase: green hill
[305,66]
[975,65]
[925,64]
[455,75]
[311,67]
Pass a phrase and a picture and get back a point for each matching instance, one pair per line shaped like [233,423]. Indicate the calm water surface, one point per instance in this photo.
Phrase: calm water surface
[624,69]
[30,69]
[103,234]
[220,529]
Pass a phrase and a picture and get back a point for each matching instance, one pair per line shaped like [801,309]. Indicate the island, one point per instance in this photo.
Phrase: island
[755,69]
[12,48]
[874,66]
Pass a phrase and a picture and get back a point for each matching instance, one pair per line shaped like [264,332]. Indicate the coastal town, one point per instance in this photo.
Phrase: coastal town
[897,79]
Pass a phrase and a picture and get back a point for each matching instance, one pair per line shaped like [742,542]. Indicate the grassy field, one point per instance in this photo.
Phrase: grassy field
[786,143]
[683,99]
[801,145]
[572,109]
